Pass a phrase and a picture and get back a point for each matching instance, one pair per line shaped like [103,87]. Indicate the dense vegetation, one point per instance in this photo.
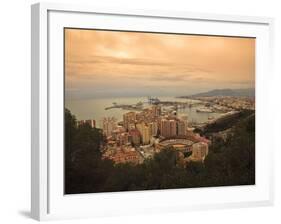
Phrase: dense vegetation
[225,92]
[225,123]
[230,162]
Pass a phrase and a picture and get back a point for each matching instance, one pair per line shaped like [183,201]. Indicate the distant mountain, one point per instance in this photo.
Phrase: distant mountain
[225,92]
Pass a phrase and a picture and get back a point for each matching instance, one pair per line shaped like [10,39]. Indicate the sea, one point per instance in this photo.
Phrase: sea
[84,109]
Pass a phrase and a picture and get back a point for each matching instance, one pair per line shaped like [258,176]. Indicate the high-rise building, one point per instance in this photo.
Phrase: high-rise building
[140,127]
[108,125]
[156,111]
[146,135]
[140,117]
[168,128]
[135,136]
[165,128]
[153,128]
[129,118]
[182,126]
[173,128]
[145,132]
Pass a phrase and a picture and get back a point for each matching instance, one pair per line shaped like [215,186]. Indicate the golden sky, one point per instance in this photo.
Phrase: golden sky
[111,63]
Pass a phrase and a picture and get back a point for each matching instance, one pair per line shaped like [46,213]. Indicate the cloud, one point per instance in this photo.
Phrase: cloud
[111,62]
[127,61]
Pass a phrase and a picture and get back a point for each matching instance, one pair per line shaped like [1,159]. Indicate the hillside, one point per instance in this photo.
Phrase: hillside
[225,92]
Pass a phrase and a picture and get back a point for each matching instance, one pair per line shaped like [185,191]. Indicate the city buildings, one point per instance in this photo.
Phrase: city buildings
[182,127]
[173,127]
[165,128]
[135,137]
[153,127]
[199,151]
[143,133]
[156,111]
[92,123]
[108,125]
[146,135]
[129,120]
[124,155]
[148,130]
[228,103]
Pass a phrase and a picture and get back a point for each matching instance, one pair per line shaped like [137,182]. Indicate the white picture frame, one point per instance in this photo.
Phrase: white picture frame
[47,198]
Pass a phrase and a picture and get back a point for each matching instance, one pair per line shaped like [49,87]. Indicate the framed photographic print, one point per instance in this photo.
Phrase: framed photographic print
[138,111]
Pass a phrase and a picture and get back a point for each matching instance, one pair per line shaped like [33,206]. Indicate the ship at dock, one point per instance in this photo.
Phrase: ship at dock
[153,100]
[137,106]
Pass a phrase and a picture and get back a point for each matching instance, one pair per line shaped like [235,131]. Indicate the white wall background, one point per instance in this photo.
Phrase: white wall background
[15,110]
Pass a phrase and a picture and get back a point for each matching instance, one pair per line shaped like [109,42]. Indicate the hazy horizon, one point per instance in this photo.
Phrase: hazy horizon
[141,96]
[104,64]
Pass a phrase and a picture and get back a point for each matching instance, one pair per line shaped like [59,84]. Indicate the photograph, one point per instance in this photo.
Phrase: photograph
[156,111]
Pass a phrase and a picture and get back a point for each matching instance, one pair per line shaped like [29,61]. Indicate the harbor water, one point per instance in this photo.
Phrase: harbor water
[95,108]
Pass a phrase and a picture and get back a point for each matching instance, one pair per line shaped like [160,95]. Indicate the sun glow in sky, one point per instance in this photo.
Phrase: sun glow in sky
[121,64]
